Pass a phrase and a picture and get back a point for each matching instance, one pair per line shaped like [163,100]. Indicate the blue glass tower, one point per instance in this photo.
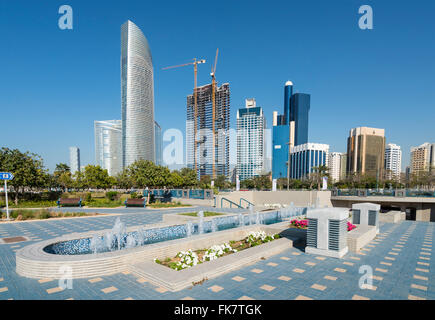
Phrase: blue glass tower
[296,109]
[300,106]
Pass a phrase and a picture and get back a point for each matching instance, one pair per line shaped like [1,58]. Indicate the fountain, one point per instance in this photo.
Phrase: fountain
[140,237]
[96,244]
[241,220]
[118,239]
[131,242]
[257,217]
[119,230]
[189,227]
[213,225]
[108,240]
[201,222]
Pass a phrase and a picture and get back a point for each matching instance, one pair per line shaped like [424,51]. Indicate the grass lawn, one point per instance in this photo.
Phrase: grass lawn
[206,214]
[29,204]
[167,205]
[21,215]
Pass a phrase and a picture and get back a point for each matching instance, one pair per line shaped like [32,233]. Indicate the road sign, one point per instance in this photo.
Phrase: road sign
[6,176]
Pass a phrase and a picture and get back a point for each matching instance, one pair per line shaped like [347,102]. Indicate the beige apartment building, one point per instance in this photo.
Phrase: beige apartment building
[366,151]
[423,157]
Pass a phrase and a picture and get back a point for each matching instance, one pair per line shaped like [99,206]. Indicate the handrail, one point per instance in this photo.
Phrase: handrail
[230,202]
[249,203]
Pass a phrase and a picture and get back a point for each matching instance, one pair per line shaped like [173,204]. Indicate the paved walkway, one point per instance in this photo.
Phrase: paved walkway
[400,257]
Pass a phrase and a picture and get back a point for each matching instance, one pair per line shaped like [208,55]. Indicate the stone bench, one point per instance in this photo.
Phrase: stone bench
[391,217]
[360,236]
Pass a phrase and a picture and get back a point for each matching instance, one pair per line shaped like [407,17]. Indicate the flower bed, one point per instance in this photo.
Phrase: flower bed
[350,226]
[300,224]
[189,258]
[303,224]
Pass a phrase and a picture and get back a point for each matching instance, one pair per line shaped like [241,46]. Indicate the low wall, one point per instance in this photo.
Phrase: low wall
[284,197]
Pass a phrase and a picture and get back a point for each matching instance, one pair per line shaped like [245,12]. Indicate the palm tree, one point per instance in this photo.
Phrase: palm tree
[319,173]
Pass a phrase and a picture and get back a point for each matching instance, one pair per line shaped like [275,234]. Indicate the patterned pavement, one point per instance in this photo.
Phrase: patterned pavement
[400,257]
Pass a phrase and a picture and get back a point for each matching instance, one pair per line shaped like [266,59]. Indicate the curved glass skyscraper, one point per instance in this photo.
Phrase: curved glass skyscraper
[137,96]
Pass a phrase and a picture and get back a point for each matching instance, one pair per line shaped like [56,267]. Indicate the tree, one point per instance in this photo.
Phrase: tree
[97,177]
[123,179]
[189,177]
[220,182]
[62,176]
[27,168]
[318,174]
[145,173]
[205,182]
[61,168]
[175,179]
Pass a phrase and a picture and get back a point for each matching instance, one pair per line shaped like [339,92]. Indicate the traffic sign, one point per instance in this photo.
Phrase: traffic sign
[6,176]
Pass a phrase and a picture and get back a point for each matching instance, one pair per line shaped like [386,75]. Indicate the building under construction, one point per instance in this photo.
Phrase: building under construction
[209,154]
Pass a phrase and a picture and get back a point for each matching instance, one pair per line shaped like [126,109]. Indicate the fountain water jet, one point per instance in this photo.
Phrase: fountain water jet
[201,222]
[189,227]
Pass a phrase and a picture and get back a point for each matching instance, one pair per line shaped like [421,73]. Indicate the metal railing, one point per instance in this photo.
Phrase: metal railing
[383,193]
[248,202]
[230,202]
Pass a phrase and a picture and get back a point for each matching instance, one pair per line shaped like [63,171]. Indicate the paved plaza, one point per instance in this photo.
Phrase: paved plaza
[400,257]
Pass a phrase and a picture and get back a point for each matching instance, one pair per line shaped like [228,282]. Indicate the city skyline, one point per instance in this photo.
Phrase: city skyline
[346,100]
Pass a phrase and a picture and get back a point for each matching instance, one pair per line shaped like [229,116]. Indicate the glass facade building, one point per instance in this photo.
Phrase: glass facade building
[295,119]
[305,157]
[300,107]
[137,96]
[366,151]
[158,143]
[74,159]
[204,137]
[251,125]
[108,152]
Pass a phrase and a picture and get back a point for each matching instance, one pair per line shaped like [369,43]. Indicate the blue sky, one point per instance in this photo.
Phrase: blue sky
[54,83]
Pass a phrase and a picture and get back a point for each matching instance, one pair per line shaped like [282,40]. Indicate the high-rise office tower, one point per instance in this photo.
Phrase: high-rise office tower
[335,165]
[74,159]
[299,109]
[209,156]
[423,158]
[366,151]
[343,166]
[108,151]
[137,96]
[158,143]
[289,129]
[393,161]
[251,125]
[305,157]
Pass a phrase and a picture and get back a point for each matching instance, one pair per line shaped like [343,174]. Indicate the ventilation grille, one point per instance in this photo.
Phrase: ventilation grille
[337,234]
[312,233]
[373,218]
[356,216]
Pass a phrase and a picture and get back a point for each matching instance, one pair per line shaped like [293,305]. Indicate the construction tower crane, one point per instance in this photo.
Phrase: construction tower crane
[195,95]
[213,99]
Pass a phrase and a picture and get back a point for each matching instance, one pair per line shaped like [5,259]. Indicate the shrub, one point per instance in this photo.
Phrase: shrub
[88,196]
[111,195]
[133,195]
